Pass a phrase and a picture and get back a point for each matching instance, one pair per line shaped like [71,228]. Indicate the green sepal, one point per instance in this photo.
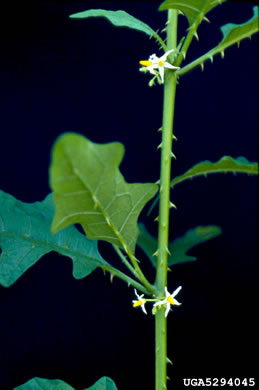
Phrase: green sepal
[120,19]
[90,190]
[180,246]
[25,237]
[226,164]
[104,383]
[192,9]
[232,34]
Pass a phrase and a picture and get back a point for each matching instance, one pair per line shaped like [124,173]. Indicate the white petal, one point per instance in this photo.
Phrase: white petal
[151,69]
[167,309]
[176,291]
[161,72]
[143,308]
[139,296]
[160,303]
[167,65]
[164,56]
[176,302]
[153,57]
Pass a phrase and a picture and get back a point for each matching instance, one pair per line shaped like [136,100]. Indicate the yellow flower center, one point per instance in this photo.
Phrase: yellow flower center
[170,300]
[160,63]
[138,303]
[145,63]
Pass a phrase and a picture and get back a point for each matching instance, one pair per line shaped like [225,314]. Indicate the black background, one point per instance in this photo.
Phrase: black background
[59,75]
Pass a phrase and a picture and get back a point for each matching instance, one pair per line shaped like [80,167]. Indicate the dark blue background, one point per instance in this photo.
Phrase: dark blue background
[59,75]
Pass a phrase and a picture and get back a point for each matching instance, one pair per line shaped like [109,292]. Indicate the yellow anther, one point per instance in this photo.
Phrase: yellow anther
[145,63]
[170,300]
[160,63]
[138,303]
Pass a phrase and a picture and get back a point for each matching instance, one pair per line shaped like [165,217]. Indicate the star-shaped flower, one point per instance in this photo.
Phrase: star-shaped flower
[169,300]
[159,63]
[140,302]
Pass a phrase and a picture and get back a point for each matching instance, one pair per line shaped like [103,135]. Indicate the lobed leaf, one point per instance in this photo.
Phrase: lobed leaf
[180,246]
[104,383]
[120,19]
[89,189]
[232,34]
[193,237]
[192,9]
[25,237]
[44,384]
[225,164]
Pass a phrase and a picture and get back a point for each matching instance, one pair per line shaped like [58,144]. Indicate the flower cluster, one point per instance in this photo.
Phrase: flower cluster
[155,63]
[167,301]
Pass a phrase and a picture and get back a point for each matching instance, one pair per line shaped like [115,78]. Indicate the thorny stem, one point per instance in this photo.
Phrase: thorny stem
[149,287]
[125,261]
[193,64]
[191,33]
[164,206]
[131,282]
[160,41]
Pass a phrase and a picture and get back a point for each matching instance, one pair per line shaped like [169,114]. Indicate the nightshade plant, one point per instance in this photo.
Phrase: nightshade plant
[89,189]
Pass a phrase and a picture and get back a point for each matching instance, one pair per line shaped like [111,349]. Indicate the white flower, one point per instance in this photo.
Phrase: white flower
[140,302]
[169,300]
[159,63]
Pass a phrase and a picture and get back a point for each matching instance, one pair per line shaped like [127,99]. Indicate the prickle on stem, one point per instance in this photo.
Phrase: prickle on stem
[172,205]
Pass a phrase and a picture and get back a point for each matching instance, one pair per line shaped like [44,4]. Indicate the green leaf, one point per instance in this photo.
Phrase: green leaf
[192,9]
[119,19]
[104,383]
[224,165]
[193,237]
[44,384]
[180,246]
[232,34]
[89,189]
[25,237]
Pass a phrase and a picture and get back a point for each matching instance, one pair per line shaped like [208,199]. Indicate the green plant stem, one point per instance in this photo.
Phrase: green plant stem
[139,272]
[191,33]
[200,60]
[125,261]
[131,282]
[164,206]
[185,47]
[160,41]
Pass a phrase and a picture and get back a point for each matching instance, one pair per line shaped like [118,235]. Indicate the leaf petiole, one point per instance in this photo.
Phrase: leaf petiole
[125,261]
[131,282]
